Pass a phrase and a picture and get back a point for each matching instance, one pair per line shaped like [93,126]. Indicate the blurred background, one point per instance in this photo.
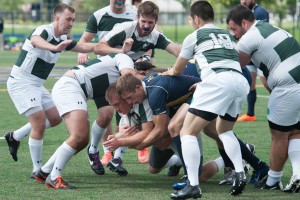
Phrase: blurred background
[19,17]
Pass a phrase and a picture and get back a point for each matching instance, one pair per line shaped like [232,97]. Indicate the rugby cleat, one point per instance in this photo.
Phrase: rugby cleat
[180,185]
[293,186]
[143,156]
[115,165]
[40,176]
[187,192]
[263,185]
[106,157]
[95,163]
[58,183]
[239,184]
[228,176]
[245,118]
[258,175]
[13,145]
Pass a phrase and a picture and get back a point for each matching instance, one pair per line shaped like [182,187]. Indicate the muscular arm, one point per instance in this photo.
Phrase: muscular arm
[84,47]
[39,42]
[86,37]
[103,48]
[159,131]
[244,59]
[173,49]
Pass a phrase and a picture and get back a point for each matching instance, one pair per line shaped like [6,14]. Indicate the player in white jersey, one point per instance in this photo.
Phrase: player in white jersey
[137,37]
[70,95]
[100,23]
[220,95]
[25,83]
[276,53]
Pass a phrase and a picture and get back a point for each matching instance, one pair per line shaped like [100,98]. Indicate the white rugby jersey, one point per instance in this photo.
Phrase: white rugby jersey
[96,75]
[35,61]
[140,113]
[102,21]
[141,45]
[211,47]
[274,51]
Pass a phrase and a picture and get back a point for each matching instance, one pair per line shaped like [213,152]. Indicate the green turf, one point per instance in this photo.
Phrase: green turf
[139,184]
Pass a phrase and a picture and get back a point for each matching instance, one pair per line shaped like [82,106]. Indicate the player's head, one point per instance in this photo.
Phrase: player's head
[248,3]
[145,68]
[117,6]
[131,89]
[133,2]
[116,101]
[64,18]
[239,20]
[147,14]
[201,12]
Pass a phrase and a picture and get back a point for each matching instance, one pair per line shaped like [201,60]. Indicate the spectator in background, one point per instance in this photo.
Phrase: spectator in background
[1,33]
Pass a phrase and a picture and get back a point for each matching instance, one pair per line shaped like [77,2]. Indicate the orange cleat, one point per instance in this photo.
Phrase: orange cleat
[143,156]
[245,118]
[106,158]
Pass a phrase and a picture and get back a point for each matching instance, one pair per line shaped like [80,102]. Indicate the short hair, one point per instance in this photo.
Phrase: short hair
[238,13]
[203,10]
[143,65]
[149,9]
[133,1]
[127,83]
[111,92]
[61,7]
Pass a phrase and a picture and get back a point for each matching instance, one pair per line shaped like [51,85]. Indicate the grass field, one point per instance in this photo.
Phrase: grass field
[139,184]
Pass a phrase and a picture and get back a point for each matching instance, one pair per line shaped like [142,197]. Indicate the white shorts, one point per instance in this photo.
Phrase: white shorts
[27,94]
[221,93]
[284,105]
[68,96]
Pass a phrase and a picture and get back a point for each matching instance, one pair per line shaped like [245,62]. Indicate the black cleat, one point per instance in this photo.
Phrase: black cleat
[40,176]
[115,165]
[293,186]
[95,162]
[13,145]
[228,177]
[174,170]
[239,183]
[187,192]
[263,185]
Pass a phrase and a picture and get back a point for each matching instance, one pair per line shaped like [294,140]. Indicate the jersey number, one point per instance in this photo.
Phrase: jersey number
[223,41]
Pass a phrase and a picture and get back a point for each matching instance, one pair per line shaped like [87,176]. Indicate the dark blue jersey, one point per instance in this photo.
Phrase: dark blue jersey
[261,13]
[167,91]
[191,69]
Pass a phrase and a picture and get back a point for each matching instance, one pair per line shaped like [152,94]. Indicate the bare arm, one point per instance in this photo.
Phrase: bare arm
[86,37]
[244,59]
[103,48]
[41,43]
[178,67]
[173,49]
[84,47]
[118,140]
[159,131]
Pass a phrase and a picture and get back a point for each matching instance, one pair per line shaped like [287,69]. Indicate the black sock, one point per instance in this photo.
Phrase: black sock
[249,157]
[226,159]
[251,98]
[177,143]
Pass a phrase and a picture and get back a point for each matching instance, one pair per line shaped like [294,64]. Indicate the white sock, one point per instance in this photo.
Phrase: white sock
[294,156]
[273,177]
[106,149]
[64,154]
[97,135]
[232,149]
[35,147]
[219,162]
[174,160]
[50,163]
[119,152]
[191,156]
[22,132]
[25,130]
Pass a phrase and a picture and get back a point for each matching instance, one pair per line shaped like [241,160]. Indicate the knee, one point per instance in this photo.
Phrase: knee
[55,121]
[173,129]
[153,170]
